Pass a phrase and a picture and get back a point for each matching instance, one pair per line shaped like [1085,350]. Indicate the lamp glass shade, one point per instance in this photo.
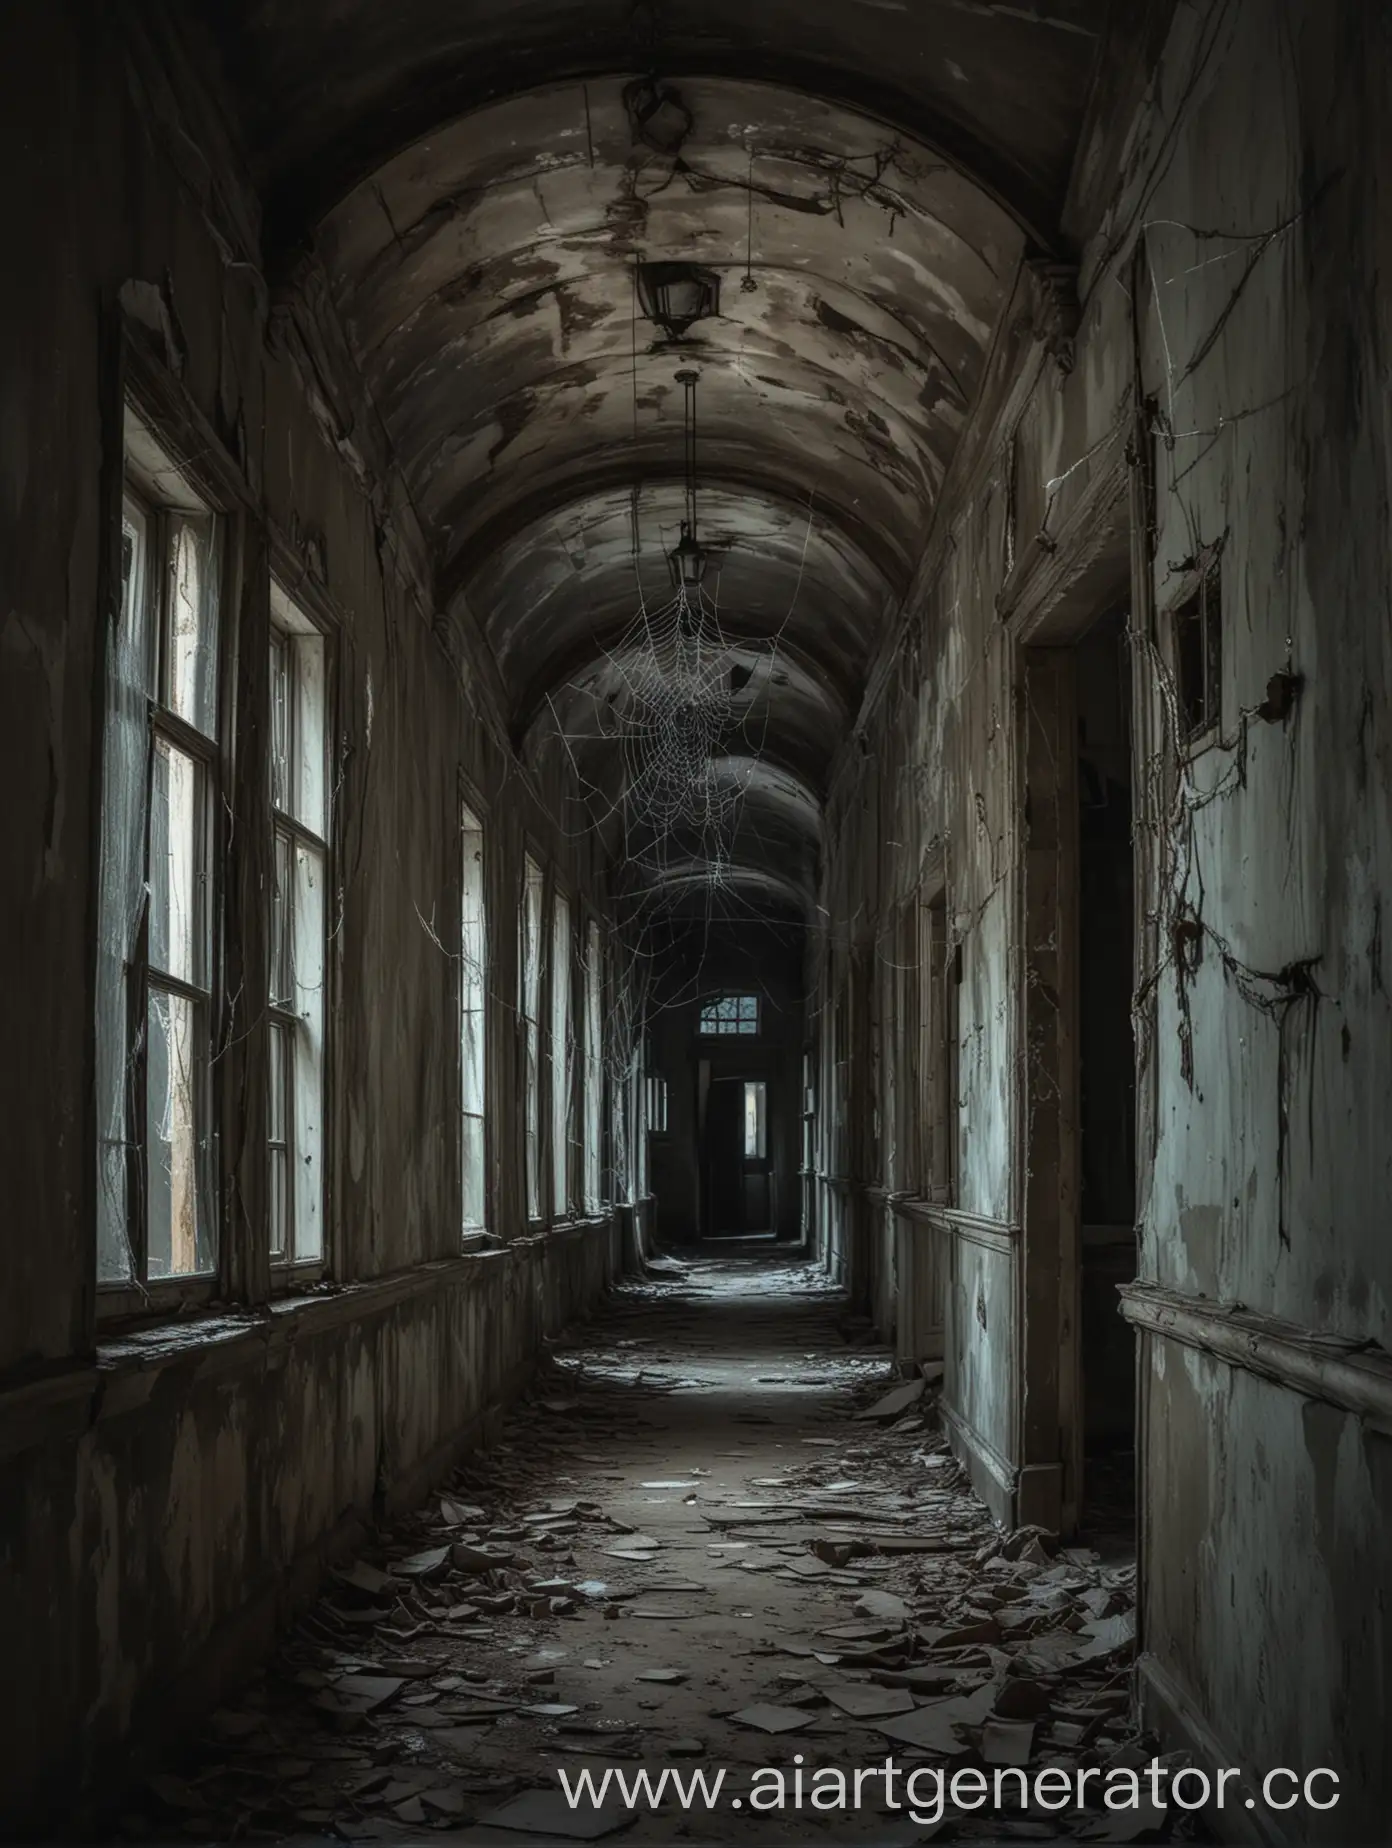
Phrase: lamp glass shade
[687,561]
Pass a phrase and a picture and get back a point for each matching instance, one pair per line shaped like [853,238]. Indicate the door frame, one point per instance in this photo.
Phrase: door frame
[1054,597]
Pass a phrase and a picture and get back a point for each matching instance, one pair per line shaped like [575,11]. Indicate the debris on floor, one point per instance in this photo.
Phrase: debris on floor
[635,1574]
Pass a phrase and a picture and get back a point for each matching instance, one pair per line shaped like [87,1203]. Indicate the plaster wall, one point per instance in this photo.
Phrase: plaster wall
[1224,393]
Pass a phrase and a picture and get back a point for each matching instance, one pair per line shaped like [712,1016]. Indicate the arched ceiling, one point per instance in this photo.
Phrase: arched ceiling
[334,88]
[480,184]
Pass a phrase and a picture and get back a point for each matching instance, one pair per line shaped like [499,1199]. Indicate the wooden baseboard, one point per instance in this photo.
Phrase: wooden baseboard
[992,1476]
[1168,1709]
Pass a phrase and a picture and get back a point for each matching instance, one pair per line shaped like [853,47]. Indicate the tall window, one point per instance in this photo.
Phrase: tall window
[755,1119]
[473,952]
[529,964]
[730,1014]
[562,1056]
[300,823]
[158,887]
[594,1066]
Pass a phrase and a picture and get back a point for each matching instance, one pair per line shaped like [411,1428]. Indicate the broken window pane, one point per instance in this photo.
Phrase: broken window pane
[298,930]
[472,953]
[282,901]
[191,621]
[562,1050]
[125,770]
[530,961]
[176,871]
[307,956]
[278,1139]
[473,1174]
[177,1244]
[280,721]
[594,1067]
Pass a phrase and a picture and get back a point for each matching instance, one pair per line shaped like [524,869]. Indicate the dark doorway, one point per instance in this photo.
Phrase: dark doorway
[1107,1069]
[738,1172]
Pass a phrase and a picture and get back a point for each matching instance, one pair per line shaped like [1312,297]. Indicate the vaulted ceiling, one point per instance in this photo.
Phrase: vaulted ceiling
[480,181]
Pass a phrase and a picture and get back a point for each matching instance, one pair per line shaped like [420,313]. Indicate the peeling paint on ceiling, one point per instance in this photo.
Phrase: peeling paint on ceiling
[861,179]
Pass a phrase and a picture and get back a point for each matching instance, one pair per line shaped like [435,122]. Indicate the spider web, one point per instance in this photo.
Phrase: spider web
[686,712]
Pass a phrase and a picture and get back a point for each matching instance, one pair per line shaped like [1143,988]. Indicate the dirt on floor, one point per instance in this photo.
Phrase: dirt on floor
[721,1534]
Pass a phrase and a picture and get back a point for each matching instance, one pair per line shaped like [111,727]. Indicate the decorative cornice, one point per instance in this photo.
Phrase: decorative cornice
[1054,311]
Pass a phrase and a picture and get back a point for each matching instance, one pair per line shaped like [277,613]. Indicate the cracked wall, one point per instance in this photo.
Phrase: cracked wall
[1223,394]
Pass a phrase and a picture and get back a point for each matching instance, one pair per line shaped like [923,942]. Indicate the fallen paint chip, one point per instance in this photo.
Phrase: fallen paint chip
[1007,1742]
[460,1514]
[546,1812]
[475,1558]
[363,1577]
[864,1701]
[429,1564]
[764,1717]
[895,1402]
[551,1710]
[670,1485]
[929,1727]
[443,1800]
[1108,1633]
[884,1604]
[665,1675]
[461,1739]
[366,1692]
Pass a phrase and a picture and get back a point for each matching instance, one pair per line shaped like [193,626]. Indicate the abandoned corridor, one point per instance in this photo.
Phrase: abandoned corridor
[716,1534]
[700,632]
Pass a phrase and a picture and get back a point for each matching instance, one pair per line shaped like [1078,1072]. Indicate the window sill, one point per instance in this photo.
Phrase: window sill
[574,1222]
[287,1279]
[208,1343]
[166,1300]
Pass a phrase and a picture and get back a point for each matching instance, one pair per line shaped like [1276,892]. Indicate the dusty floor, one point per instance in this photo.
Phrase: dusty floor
[684,1523]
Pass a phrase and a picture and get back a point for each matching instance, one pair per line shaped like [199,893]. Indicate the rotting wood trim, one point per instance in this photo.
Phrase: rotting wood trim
[1337,1369]
[1001,1235]
[918,1209]
[1062,580]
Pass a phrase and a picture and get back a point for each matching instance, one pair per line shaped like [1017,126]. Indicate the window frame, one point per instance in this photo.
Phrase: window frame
[592,1069]
[561,1055]
[530,994]
[735,1027]
[152,458]
[472,810]
[293,624]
